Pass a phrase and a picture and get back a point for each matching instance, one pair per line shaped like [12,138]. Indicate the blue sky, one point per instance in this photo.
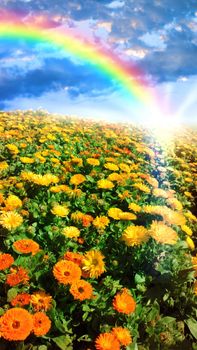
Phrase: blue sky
[159,36]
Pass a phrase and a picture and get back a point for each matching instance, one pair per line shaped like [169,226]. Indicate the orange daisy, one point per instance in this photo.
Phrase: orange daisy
[6,260]
[41,301]
[18,275]
[123,335]
[107,341]
[75,257]
[26,246]
[81,290]
[16,324]
[21,299]
[66,272]
[41,324]
[123,302]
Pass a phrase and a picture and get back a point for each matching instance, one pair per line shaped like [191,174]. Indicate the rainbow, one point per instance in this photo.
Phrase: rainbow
[104,61]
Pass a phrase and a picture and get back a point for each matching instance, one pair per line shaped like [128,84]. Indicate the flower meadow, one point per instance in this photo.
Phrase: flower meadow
[98,243]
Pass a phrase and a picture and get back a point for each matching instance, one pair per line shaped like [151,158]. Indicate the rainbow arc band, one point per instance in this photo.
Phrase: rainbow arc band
[107,63]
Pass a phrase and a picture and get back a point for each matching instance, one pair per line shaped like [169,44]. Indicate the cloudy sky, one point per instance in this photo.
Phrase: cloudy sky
[158,36]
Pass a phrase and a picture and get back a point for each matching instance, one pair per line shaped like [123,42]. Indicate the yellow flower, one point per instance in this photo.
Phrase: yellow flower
[124,167]
[188,194]
[170,216]
[135,207]
[12,148]
[55,160]
[114,177]
[187,230]
[188,179]
[59,188]
[163,233]
[38,179]
[13,202]
[77,161]
[175,203]
[191,216]
[105,184]
[111,166]
[190,243]
[27,160]
[71,232]
[60,210]
[27,175]
[39,157]
[77,179]
[142,187]
[135,235]
[127,216]
[10,220]
[51,137]
[3,166]
[152,181]
[159,192]
[45,180]
[114,213]
[101,222]
[93,161]
[173,217]
[93,263]
[77,216]
[45,153]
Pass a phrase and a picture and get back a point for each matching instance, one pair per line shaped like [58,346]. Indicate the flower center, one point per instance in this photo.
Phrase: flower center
[16,324]
[81,290]
[66,273]
[94,262]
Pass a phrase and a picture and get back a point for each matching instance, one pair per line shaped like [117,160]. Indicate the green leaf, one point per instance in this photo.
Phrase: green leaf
[192,325]
[42,347]
[63,342]
[139,278]
[132,346]
[167,319]
[1,311]
[11,294]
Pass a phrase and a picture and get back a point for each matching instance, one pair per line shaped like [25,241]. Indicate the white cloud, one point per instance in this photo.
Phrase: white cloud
[136,53]
[115,4]
[154,40]
[106,25]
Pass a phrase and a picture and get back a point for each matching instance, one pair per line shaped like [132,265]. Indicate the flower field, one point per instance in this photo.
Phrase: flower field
[98,235]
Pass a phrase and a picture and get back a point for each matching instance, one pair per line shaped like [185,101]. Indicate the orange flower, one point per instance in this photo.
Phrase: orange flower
[41,301]
[77,179]
[66,272]
[21,300]
[80,240]
[41,324]
[74,257]
[18,275]
[6,260]
[16,324]
[81,290]
[124,302]
[26,246]
[123,335]
[86,220]
[107,341]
